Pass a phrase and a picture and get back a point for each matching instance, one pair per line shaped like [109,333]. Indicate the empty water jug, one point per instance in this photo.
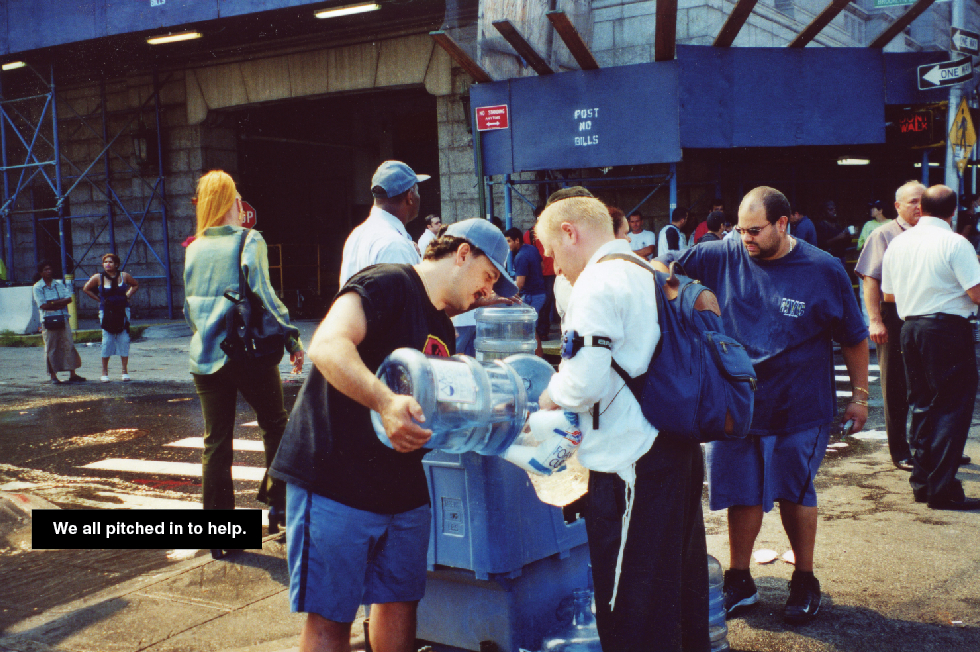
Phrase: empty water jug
[502,331]
[468,406]
[581,635]
[717,627]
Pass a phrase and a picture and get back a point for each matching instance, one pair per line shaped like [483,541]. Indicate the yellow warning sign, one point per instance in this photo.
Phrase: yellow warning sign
[962,136]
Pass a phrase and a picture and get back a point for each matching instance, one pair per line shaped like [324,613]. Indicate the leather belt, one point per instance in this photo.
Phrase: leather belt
[939,316]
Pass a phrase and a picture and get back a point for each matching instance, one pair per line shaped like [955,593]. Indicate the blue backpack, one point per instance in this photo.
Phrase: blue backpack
[700,384]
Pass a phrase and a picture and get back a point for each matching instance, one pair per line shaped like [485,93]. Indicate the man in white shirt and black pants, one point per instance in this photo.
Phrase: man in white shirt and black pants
[644,520]
[934,277]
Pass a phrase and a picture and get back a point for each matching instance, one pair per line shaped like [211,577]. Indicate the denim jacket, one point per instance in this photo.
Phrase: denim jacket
[211,268]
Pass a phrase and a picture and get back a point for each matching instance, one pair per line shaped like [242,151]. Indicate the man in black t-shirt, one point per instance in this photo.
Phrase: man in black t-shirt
[357,512]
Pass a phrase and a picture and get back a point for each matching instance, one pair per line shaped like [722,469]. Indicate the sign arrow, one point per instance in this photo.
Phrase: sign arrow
[965,41]
[947,73]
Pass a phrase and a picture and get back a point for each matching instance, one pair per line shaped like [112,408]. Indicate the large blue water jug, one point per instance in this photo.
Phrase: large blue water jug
[502,331]
[469,406]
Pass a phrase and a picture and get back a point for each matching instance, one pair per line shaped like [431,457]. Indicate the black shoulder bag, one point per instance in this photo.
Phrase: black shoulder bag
[255,337]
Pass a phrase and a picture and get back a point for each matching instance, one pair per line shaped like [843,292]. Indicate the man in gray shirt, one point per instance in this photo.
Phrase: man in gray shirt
[885,325]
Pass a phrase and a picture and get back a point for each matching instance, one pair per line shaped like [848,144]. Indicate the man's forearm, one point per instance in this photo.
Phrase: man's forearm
[872,298]
[856,360]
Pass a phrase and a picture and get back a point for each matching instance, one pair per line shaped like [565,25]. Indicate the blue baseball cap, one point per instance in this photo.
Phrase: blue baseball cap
[488,238]
[394,177]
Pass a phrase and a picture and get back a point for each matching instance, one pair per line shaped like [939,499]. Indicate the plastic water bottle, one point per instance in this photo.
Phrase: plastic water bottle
[502,331]
[717,627]
[468,406]
[581,635]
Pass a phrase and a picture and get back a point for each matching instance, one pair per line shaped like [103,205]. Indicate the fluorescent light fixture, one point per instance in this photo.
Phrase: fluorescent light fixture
[13,65]
[845,160]
[931,164]
[173,38]
[349,10]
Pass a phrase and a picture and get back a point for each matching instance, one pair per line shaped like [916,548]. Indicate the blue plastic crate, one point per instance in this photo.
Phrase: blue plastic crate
[487,518]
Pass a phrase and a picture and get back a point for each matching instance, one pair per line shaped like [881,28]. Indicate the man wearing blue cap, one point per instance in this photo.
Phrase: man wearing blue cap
[357,512]
[382,237]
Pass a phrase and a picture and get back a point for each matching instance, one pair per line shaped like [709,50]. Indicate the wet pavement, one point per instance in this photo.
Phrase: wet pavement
[895,574]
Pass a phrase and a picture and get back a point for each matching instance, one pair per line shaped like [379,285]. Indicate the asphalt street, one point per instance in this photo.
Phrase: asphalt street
[895,574]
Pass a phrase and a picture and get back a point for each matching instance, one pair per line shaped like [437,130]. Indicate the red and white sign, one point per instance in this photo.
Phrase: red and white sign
[247,216]
[492,117]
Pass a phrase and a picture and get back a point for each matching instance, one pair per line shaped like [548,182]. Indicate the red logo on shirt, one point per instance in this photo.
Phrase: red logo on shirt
[435,346]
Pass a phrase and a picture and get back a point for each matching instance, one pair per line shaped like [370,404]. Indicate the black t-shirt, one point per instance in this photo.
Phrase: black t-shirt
[330,446]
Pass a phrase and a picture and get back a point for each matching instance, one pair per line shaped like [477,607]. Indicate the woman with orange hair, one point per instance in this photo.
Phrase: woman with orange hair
[210,269]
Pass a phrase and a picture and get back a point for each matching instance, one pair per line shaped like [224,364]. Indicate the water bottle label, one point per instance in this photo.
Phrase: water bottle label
[454,382]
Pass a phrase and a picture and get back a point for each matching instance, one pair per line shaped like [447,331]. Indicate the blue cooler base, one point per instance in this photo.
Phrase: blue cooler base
[460,611]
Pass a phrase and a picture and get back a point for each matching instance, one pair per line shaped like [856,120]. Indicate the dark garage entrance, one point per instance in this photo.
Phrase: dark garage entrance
[306,167]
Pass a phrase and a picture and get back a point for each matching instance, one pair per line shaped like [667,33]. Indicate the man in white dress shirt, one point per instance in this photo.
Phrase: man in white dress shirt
[382,237]
[432,225]
[644,523]
[934,277]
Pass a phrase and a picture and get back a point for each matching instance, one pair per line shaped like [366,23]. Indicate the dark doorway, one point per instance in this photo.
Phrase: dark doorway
[306,167]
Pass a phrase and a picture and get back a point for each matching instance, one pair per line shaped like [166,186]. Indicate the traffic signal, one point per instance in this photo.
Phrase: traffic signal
[916,127]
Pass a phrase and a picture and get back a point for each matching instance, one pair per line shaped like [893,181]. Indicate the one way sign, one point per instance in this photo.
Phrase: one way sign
[965,42]
[948,73]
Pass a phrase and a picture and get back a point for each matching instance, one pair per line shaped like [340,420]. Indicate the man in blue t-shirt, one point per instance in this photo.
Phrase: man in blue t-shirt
[529,279]
[785,301]
[802,227]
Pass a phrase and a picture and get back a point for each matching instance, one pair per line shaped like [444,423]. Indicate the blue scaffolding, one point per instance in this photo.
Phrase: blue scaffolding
[31,156]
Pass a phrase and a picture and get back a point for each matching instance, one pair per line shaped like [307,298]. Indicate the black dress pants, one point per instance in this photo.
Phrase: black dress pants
[662,600]
[942,377]
[894,389]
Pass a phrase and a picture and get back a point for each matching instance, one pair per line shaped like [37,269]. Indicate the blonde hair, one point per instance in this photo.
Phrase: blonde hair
[216,194]
[586,212]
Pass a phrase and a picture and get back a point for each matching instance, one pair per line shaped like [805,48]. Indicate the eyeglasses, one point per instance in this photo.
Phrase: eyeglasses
[752,231]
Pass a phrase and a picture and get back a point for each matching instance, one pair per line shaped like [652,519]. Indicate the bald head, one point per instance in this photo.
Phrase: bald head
[769,200]
[939,201]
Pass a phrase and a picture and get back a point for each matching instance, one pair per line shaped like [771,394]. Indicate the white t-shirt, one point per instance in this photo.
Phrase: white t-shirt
[929,269]
[662,247]
[643,239]
[424,240]
[615,299]
[381,238]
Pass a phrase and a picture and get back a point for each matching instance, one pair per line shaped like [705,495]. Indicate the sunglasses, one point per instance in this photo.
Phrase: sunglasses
[752,231]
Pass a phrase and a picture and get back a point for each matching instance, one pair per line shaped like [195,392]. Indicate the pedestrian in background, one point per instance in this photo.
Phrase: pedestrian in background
[52,297]
[432,225]
[933,276]
[885,325]
[529,279]
[643,243]
[114,289]
[382,237]
[210,269]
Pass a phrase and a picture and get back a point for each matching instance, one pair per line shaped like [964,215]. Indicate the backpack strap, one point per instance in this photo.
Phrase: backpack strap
[672,283]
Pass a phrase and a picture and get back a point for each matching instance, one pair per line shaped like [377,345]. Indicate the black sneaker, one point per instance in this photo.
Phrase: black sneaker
[740,591]
[804,599]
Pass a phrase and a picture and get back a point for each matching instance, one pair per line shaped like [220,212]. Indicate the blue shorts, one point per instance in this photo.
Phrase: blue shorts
[341,557]
[763,470]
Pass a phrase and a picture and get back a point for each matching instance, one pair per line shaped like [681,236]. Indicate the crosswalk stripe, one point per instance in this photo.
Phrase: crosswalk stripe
[844,379]
[171,468]
[237,444]
[871,367]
